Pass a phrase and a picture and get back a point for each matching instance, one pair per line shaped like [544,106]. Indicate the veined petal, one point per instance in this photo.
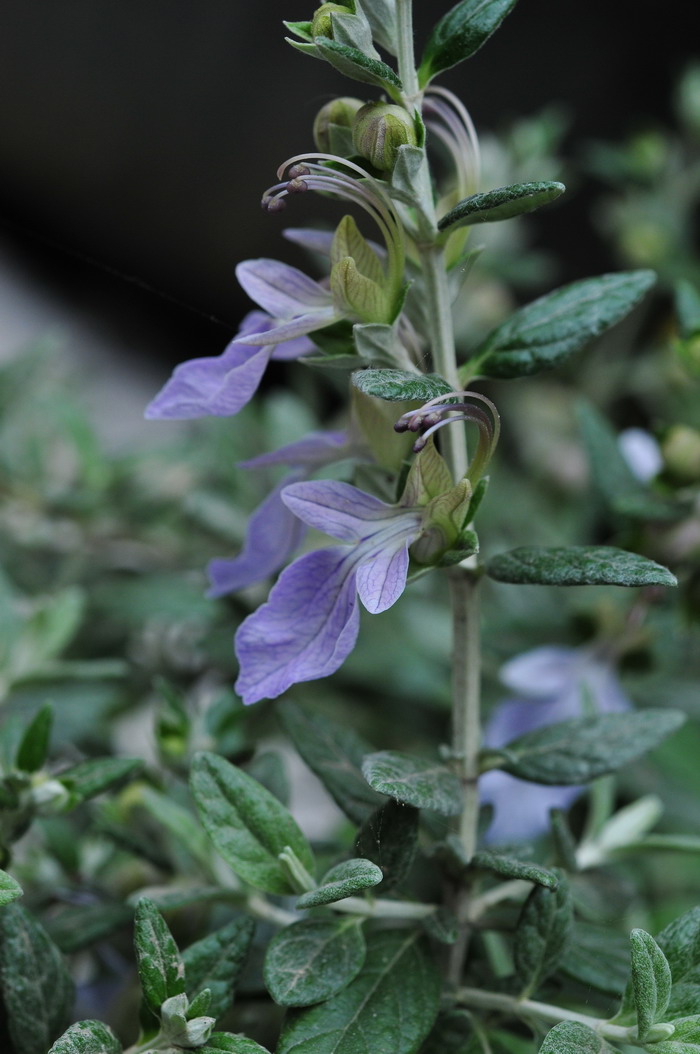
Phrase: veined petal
[296,327]
[305,630]
[274,534]
[339,509]
[281,290]
[217,386]
[315,449]
[382,579]
[260,322]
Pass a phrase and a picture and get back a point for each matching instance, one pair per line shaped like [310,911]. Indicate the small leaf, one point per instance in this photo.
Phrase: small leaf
[247,825]
[547,332]
[680,943]
[460,33]
[34,747]
[577,565]
[580,750]
[400,385]
[357,66]
[500,204]
[570,1037]
[685,1037]
[389,1007]
[509,867]
[161,972]
[389,838]
[375,342]
[651,981]
[598,957]
[312,960]
[216,962]
[87,1037]
[342,881]
[9,889]
[235,1044]
[90,778]
[180,822]
[414,781]
[542,935]
[334,754]
[36,988]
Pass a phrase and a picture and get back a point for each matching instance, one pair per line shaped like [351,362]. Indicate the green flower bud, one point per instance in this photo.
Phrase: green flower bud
[339,113]
[379,130]
[681,452]
[321,24]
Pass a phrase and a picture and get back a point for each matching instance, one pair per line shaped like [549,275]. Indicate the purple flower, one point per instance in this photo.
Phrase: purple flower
[274,533]
[309,624]
[551,684]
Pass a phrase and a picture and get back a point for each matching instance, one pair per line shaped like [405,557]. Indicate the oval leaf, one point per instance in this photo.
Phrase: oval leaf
[357,66]
[341,882]
[414,781]
[460,33]
[578,565]
[391,1004]
[389,838]
[542,934]
[87,1037]
[9,889]
[232,1042]
[509,867]
[312,960]
[548,331]
[161,972]
[92,777]
[216,961]
[579,751]
[500,204]
[570,1037]
[651,981]
[248,826]
[400,385]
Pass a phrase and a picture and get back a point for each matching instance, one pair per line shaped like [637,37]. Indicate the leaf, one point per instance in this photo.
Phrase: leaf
[334,754]
[680,943]
[34,746]
[570,1037]
[598,957]
[342,881]
[216,962]
[247,825]
[582,749]
[36,987]
[389,1007]
[577,565]
[389,838]
[87,1037]
[357,66]
[161,971]
[460,33]
[90,778]
[500,204]
[181,824]
[414,781]
[509,867]
[542,934]
[228,1041]
[547,332]
[312,960]
[400,385]
[687,308]
[651,981]
[9,889]
[74,928]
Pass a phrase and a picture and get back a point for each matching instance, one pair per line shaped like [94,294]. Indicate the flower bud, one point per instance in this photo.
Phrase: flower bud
[681,452]
[321,24]
[379,130]
[338,112]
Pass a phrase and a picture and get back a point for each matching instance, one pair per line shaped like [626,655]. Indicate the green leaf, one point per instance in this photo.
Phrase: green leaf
[414,781]
[389,1007]
[680,943]
[9,889]
[460,33]
[570,1037]
[598,957]
[542,934]
[342,881]
[34,746]
[582,749]
[90,778]
[500,204]
[74,928]
[651,981]
[400,385]
[547,332]
[312,960]
[236,1044]
[36,988]
[181,824]
[87,1037]
[509,867]
[334,754]
[216,962]
[357,66]
[389,838]
[161,971]
[687,308]
[246,823]
[577,565]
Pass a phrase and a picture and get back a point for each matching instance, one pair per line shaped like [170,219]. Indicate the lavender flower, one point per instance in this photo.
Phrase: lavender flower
[552,684]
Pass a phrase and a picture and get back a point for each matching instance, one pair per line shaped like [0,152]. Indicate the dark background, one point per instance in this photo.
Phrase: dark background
[136,137]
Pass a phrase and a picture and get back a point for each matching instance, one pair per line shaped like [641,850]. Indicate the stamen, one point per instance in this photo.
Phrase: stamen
[434,414]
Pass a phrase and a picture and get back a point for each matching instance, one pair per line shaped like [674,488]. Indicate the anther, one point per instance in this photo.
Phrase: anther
[297,186]
[273,204]
[299,170]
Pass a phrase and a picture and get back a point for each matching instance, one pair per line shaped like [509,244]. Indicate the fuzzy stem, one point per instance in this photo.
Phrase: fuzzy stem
[404,54]
[466,673]
[524,1008]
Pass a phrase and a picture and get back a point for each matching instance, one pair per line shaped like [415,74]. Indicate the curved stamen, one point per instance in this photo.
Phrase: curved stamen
[434,414]
[458,119]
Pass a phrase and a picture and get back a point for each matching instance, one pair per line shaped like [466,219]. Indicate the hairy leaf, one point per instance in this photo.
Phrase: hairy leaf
[357,66]
[389,837]
[500,204]
[570,1037]
[312,960]
[34,747]
[599,957]
[235,1044]
[414,781]
[9,888]
[400,385]
[342,881]
[161,971]
[578,565]
[542,935]
[216,962]
[90,778]
[87,1037]
[651,981]
[509,867]
[460,33]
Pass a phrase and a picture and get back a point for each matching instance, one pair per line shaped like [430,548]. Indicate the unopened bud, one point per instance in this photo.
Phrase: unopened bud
[681,452]
[340,112]
[321,24]
[379,130]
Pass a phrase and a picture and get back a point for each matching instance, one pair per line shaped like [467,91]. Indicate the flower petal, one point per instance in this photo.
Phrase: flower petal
[286,331]
[279,289]
[382,579]
[339,509]
[218,386]
[314,450]
[542,672]
[521,809]
[274,534]
[305,630]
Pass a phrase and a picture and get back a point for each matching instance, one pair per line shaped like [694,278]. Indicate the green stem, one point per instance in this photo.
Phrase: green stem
[384,909]
[525,1008]
[404,52]
[466,674]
